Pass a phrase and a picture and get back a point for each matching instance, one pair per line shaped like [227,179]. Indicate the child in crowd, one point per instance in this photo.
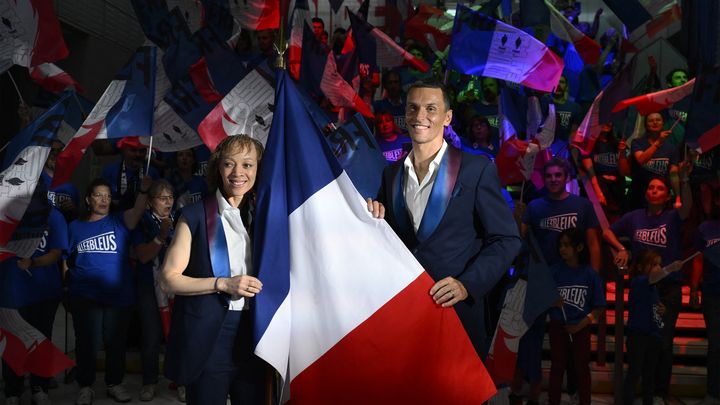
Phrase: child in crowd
[583,297]
[645,324]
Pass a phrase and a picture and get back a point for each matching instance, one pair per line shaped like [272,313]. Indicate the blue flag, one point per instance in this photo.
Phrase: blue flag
[312,65]
[630,12]
[355,147]
[541,288]
[514,108]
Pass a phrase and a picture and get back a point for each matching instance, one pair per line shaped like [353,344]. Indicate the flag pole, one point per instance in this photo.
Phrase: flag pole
[149,156]
[17,90]
[562,308]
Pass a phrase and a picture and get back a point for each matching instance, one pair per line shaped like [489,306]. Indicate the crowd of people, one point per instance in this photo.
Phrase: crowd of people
[178,230]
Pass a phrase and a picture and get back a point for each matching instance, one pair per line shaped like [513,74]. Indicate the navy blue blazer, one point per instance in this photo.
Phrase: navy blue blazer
[467,232]
[196,319]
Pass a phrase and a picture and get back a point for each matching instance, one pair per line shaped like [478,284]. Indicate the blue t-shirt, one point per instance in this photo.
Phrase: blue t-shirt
[566,115]
[643,304]
[394,150]
[188,192]
[19,289]
[658,166]
[202,154]
[708,242]
[547,218]
[61,193]
[659,233]
[99,262]
[705,167]
[604,157]
[581,290]
[147,230]
[397,111]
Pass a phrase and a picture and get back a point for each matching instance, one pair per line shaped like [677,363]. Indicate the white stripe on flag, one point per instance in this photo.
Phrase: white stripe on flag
[335,247]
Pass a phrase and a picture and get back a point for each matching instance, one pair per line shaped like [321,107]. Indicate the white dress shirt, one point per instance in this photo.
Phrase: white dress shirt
[417,194]
[238,243]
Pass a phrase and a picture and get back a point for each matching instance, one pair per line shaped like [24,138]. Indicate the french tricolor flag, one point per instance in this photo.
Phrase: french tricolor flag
[125,109]
[345,314]
[484,46]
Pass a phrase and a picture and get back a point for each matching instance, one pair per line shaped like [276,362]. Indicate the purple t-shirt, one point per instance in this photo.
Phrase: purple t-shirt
[581,290]
[658,166]
[660,233]
[708,242]
[394,150]
[643,304]
[547,218]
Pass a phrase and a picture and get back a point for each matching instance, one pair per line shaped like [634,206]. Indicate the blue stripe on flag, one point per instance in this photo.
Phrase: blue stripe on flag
[296,164]
[132,115]
[471,39]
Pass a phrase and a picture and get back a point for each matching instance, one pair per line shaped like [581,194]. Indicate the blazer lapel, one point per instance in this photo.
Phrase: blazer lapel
[401,217]
[441,193]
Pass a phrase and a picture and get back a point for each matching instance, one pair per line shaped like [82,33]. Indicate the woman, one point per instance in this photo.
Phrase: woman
[657,228]
[150,240]
[480,142]
[100,286]
[607,165]
[653,157]
[189,186]
[208,268]
[33,285]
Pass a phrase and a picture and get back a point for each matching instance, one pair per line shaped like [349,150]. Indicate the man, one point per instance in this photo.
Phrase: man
[446,207]
[547,217]
[568,113]
[125,175]
[679,110]
[393,99]
[318,26]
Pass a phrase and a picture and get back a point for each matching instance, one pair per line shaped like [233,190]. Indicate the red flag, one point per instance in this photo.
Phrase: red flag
[257,14]
[53,79]
[511,327]
[668,23]
[26,350]
[200,76]
[428,25]
[515,160]
[656,102]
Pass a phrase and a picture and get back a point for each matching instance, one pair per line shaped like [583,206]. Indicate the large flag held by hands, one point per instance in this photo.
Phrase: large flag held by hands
[341,291]
[658,101]
[125,109]
[22,165]
[484,46]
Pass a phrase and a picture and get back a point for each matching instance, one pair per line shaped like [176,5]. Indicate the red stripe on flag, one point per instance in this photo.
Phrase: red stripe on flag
[710,139]
[411,351]
[200,76]
[46,360]
[69,158]
[663,21]
[211,128]
[49,44]
[588,50]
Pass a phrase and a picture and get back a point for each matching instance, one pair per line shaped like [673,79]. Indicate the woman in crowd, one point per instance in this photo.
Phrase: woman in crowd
[479,138]
[101,288]
[189,187]
[653,157]
[607,165]
[208,267]
[658,228]
[33,285]
[150,240]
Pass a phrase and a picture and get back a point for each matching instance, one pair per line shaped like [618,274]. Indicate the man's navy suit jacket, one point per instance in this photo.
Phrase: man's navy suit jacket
[467,231]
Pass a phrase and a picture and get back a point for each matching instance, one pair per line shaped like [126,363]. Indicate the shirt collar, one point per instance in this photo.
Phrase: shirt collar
[435,162]
[223,204]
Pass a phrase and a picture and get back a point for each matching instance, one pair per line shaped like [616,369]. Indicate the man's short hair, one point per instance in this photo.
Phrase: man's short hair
[558,162]
[387,74]
[318,20]
[432,84]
